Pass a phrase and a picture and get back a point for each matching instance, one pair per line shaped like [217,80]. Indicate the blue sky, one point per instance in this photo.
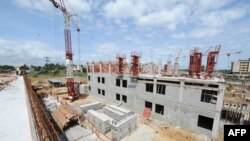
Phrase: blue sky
[33,29]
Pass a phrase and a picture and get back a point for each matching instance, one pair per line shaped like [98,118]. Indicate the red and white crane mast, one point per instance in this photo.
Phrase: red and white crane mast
[68,47]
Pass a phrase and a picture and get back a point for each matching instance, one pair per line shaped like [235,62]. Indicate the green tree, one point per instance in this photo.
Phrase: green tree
[24,67]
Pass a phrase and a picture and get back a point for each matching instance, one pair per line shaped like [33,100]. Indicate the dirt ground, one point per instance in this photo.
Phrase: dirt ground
[5,79]
[151,131]
[176,134]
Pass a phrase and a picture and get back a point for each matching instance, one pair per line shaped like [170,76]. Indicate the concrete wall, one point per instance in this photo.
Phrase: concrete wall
[182,103]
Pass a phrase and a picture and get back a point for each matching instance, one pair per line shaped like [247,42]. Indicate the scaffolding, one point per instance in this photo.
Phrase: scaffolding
[120,63]
[211,61]
[135,56]
[195,63]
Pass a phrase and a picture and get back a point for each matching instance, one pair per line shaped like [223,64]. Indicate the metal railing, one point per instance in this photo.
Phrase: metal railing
[44,127]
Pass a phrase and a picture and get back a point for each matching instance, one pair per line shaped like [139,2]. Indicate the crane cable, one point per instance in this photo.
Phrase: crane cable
[79,48]
[55,32]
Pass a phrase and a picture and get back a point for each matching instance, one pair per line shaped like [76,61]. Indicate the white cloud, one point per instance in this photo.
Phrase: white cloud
[26,52]
[147,12]
[222,17]
[78,6]
[169,18]
[40,5]
[107,50]
[204,32]
[131,37]
[172,14]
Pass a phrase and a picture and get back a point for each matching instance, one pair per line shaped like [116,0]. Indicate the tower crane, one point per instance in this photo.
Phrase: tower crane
[68,47]
[212,59]
[228,54]
[176,63]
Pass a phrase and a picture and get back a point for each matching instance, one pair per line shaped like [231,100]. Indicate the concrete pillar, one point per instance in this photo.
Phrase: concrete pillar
[216,125]
[109,67]
[159,69]
[220,96]
[219,105]
[155,81]
[93,68]
[87,70]
[180,102]
[154,94]
[100,67]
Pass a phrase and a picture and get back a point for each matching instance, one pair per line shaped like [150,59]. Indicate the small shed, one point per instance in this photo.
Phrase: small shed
[55,82]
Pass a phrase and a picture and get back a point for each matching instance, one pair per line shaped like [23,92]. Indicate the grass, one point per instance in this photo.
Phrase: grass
[45,77]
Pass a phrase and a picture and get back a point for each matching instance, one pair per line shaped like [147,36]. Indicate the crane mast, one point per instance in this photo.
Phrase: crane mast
[176,64]
[68,47]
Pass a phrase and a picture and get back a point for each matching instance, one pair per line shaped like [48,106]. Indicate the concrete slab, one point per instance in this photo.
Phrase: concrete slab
[80,134]
[14,113]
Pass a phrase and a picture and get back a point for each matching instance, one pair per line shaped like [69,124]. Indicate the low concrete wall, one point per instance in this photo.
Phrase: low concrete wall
[123,127]
[115,114]
[99,120]
[91,106]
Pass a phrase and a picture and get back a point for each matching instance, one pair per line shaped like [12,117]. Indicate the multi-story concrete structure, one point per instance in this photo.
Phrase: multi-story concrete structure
[193,104]
[240,69]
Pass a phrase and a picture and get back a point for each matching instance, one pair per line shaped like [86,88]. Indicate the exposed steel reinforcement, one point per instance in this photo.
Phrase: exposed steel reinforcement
[44,126]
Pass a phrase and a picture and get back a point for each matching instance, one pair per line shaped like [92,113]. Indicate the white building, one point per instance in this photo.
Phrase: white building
[241,67]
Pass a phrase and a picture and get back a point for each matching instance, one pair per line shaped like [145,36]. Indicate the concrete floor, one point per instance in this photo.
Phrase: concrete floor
[80,134]
[14,120]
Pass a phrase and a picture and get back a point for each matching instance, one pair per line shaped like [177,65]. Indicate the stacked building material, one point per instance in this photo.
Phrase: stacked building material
[51,103]
[99,120]
[90,106]
[65,117]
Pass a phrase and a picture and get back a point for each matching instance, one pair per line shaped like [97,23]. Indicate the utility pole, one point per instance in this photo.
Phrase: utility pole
[47,60]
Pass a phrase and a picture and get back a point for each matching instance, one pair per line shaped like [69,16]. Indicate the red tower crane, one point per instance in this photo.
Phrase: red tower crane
[68,47]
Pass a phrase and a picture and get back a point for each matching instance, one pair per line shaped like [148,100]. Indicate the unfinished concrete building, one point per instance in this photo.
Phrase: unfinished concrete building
[191,103]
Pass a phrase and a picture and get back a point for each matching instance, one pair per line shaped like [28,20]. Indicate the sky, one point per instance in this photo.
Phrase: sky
[31,30]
